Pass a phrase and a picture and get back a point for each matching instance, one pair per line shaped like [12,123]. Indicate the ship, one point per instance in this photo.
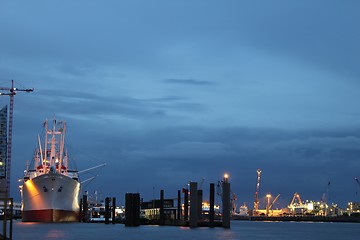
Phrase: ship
[51,188]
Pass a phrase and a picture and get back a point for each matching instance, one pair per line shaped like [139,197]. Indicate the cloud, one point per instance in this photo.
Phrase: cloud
[289,163]
[187,81]
[105,69]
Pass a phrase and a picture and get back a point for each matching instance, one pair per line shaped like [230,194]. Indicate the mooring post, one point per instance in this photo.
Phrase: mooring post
[80,209]
[179,206]
[113,220]
[199,203]
[85,208]
[186,204]
[193,204]
[226,202]
[162,216]
[212,203]
[132,209]
[107,210]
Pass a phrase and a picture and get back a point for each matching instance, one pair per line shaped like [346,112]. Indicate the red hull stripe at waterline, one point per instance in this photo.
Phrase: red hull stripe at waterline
[50,215]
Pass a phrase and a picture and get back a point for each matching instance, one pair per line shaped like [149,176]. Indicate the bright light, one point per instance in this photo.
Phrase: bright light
[226,176]
[268,195]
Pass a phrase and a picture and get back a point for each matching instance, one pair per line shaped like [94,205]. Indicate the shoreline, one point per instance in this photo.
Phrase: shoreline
[352,219]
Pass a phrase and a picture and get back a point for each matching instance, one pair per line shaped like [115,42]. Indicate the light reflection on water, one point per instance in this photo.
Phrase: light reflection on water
[242,230]
[55,234]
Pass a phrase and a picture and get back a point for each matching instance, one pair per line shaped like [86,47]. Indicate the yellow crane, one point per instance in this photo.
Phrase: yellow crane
[296,196]
[273,202]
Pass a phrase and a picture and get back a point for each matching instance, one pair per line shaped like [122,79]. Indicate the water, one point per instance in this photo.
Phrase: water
[242,230]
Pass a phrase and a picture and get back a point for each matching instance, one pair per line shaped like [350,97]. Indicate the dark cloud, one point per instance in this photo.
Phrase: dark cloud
[320,33]
[177,155]
[72,102]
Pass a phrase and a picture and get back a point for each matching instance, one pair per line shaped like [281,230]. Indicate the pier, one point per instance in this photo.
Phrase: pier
[187,212]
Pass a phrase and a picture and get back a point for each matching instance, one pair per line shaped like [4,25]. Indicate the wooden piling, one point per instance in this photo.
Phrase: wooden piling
[212,203]
[113,220]
[162,215]
[178,216]
[199,203]
[226,203]
[132,209]
[186,204]
[85,207]
[81,210]
[107,210]
[193,205]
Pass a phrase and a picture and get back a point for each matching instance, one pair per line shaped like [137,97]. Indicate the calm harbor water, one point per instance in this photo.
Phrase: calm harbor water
[242,230]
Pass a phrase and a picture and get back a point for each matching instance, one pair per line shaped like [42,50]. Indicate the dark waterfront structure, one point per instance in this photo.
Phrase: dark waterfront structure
[226,202]
[186,204]
[84,209]
[212,203]
[132,209]
[193,204]
[164,212]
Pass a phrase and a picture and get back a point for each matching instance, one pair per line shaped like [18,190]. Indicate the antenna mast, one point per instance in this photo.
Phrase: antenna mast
[12,92]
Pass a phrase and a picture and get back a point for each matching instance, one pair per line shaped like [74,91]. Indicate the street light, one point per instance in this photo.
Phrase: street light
[268,196]
[226,177]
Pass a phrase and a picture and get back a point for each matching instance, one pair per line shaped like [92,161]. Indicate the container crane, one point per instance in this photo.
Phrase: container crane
[257,201]
[296,196]
[11,93]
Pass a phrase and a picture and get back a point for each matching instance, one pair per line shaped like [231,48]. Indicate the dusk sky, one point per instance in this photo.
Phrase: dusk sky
[167,91]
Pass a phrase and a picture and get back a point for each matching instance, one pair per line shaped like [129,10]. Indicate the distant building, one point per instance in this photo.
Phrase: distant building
[151,210]
[353,208]
[3,150]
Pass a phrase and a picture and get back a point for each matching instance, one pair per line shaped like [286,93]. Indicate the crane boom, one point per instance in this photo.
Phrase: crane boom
[357,181]
[12,92]
[273,202]
[296,196]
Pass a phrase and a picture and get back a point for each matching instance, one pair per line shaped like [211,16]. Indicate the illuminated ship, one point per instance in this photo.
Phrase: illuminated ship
[50,192]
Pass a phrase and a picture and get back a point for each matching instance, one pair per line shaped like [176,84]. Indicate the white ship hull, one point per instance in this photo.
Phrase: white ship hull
[50,197]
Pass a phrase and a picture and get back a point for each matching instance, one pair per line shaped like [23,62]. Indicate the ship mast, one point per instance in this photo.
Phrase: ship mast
[62,143]
[45,144]
[12,92]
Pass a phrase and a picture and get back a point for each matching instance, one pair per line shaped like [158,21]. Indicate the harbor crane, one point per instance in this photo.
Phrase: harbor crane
[296,196]
[11,92]
[256,200]
[358,183]
[273,202]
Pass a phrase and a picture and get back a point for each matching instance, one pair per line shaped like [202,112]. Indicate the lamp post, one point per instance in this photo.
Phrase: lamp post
[226,177]
[226,202]
[268,196]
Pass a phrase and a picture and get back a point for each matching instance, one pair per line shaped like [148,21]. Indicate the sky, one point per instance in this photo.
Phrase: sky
[166,92]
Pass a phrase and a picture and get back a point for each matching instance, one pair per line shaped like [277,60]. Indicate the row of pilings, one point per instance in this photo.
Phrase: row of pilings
[110,207]
[192,215]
